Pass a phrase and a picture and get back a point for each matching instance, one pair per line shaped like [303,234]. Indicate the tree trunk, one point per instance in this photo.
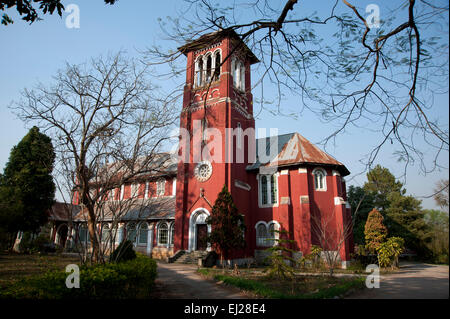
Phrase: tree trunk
[93,235]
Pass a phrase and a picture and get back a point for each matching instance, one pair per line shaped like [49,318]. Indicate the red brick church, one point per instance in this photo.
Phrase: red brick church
[299,186]
[280,182]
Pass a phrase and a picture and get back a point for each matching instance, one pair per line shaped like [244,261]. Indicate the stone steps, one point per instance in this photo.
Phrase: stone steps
[191,258]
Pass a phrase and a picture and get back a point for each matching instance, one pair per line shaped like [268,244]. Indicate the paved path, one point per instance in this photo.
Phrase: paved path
[413,281]
[179,281]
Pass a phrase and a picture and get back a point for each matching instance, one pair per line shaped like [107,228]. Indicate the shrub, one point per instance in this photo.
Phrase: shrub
[130,279]
[389,251]
[123,252]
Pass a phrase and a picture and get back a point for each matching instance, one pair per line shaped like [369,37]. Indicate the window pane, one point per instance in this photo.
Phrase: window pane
[263,189]
[143,233]
[273,188]
[163,234]
[131,232]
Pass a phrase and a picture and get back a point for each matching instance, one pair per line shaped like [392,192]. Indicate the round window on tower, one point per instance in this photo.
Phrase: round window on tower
[203,171]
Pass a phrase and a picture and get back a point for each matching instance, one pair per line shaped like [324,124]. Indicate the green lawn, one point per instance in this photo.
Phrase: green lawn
[14,267]
[299,287]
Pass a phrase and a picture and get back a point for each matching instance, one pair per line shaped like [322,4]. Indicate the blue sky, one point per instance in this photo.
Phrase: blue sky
[34,53]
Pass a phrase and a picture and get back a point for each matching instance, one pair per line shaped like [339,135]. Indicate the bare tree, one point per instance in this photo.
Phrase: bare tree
[339,63]
[331,235]
[108,125]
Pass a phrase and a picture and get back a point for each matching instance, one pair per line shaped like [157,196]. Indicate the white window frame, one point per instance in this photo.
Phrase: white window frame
[324,179]
[269,240]
[159,234]
[268,190]
[138,235]
[160,192]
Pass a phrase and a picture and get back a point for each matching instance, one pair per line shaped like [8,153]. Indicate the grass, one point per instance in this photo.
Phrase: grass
[299,287]
[14,267]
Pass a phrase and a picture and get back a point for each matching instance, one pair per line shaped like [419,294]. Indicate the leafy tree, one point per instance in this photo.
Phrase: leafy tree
[27,8]
[227,225]
[375,232]
[381,183]
[27,188]
[405,218]
[403,215]
[389,251]
[438,222]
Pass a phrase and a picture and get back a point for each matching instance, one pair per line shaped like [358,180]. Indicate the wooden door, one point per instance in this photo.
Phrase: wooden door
[202,232]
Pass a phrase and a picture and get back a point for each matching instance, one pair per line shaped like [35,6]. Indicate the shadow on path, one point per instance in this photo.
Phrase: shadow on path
[180,281]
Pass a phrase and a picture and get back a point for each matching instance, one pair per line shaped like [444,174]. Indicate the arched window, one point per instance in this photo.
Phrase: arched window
[266,234]
[163,234]
[83,234]
[271,235]
[242,76]
[199,71]
[160,187]
[106,234]
[131,232]
[217,61]
[209,69]
[172,234]
[143,234]
[261,235]
[319,179]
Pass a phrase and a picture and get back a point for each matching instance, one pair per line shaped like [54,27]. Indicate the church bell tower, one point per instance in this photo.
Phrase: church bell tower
[217,108]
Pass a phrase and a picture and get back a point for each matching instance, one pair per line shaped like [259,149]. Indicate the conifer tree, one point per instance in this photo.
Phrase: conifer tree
[27,188]
[227,225]
[375,232]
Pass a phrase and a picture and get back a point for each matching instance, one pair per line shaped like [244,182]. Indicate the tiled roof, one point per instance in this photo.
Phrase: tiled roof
[294,149]
[137,209]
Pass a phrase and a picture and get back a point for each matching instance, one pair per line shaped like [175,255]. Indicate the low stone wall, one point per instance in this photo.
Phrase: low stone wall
[162,252]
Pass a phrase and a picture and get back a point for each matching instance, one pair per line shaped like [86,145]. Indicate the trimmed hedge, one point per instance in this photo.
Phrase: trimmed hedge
[125,280]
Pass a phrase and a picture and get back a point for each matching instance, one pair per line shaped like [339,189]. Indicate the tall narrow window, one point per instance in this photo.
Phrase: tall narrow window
[208,69]
[217,66]
[239,135]
[242,77]
[261,235]
[273,189]
[105,233]
[264,190]
[172,233]
[131,232]
[268,192]
[160,187]
[163,235]
[143,234]
[271,235]
[204,127]
[199,71]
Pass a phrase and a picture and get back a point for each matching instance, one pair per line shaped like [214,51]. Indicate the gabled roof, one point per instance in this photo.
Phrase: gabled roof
[62,211]
[213,37]
[294,149]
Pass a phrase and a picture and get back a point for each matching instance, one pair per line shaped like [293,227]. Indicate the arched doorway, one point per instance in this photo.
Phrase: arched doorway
[198,230]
